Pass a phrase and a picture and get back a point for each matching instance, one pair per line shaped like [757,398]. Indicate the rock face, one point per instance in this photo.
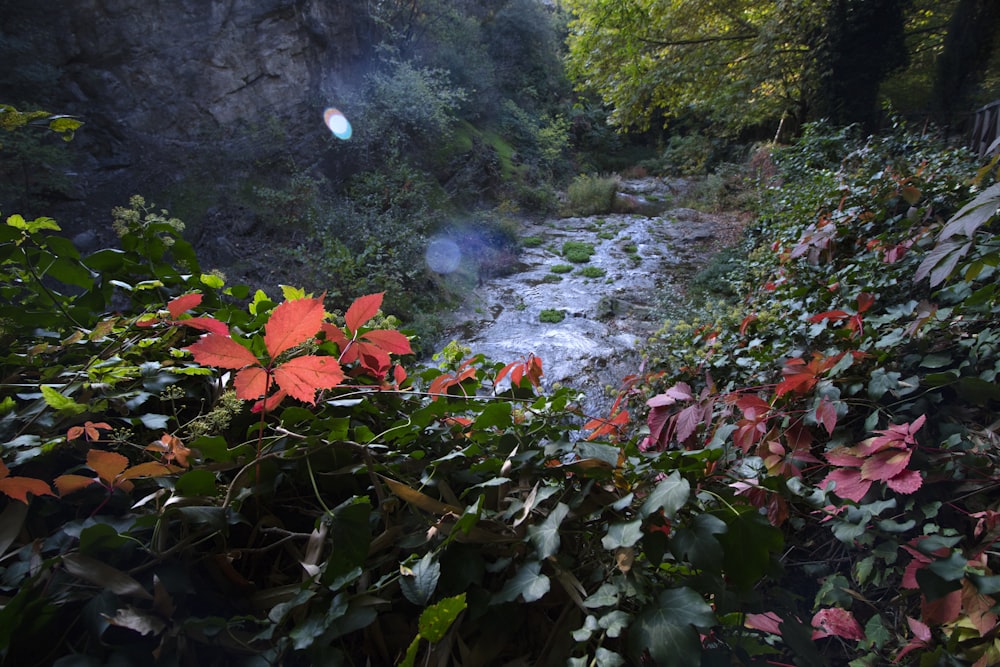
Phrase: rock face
[155,79]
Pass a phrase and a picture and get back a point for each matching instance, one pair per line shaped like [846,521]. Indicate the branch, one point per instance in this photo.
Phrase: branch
[700,40]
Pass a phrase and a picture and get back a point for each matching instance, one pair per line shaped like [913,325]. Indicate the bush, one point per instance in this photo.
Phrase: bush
[552,315]
[592,272]
[577,252]
[561,268]
[590,195]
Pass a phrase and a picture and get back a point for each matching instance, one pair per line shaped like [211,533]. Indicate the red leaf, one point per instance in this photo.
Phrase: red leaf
[836,622]
[906,482]
[885,465]
[291,323]
[943,610]
[150,469]
[182,304]
[221,352]
[336,335]
[251,383]
[67,484]
[848,483]
[921,638]
[363,309]
[209,324]
[767,622]
[302,376]
[392,342]
[865,301]
[107,465]
[753,407]
[832,315]
[745,324]
[374,359]
[826,414]
[269,403]
[18,488]
[688,421]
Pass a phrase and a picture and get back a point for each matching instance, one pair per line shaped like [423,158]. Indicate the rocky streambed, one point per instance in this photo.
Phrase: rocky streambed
[610,304]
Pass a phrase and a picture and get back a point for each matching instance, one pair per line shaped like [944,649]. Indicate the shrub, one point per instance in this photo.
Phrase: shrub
[577,252]
[561,268]
[552,315]
[591,195]
[592,272]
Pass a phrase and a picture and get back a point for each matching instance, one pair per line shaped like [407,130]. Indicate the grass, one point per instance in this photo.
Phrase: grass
[591,195]
[532,241]
[561,268]
[592,272]
[552,316]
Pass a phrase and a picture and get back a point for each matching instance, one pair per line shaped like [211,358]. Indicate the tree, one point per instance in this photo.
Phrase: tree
[735,64]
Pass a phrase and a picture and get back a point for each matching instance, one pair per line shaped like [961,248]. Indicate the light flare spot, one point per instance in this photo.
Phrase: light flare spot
[338,123]
[443,255]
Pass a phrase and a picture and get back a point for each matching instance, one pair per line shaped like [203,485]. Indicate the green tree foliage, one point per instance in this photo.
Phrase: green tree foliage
[738,64]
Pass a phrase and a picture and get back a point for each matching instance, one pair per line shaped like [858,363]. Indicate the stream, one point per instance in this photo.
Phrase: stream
[643,257]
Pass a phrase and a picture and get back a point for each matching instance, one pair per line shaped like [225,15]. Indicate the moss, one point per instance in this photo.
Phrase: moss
[561,268]
[592,272]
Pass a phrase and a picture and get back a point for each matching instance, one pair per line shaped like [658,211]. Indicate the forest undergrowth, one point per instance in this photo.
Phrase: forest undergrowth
[202,473]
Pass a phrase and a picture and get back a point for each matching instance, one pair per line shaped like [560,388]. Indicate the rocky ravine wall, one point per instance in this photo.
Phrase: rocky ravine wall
[157,81]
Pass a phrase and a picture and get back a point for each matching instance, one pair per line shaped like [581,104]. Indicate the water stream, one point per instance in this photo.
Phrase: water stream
[607,318]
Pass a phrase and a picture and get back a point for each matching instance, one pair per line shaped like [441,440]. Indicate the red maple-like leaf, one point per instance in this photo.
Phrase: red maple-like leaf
[89,429]
[921,638]
[362,310]
[611,426]
[301,377]
[529,367]
[836,622]
[179,306]
[18,488]
[292,323]
[222,352]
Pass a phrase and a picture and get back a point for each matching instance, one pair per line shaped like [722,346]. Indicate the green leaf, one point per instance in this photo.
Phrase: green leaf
[747,545]
[351,533]
[615,622]
[198,482]
[103,575]
[668,628]
[605,658]
[669,495]
[420,583]
[411,653]
[495,415]
[528,582]
[951,568]
[698,545]
[60,403]
[622,534]
[438,618]
[545,538]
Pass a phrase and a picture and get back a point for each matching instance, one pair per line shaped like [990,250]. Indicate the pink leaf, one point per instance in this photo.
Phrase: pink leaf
[291,323]
[826,414]
[836,622]
[885,465]
[906,482]
[688,421]
[363,309]
[767,622]
[848,484]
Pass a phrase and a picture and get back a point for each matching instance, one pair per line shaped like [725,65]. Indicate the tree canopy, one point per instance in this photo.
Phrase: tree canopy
[743,63]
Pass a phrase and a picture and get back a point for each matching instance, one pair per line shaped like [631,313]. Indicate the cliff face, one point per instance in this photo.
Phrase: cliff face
[156,80]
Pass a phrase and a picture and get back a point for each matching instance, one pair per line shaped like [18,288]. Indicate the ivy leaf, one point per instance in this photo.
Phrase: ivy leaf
[292,323]
[103,575]
[622,534]
[669,495]
[529,583]
[302,376]
[418,584]
[222,352]
[362,310]
[668,628]
[545,537]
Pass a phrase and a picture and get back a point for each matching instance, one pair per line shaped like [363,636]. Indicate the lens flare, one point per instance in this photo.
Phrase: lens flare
[338,123]
[443,255]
